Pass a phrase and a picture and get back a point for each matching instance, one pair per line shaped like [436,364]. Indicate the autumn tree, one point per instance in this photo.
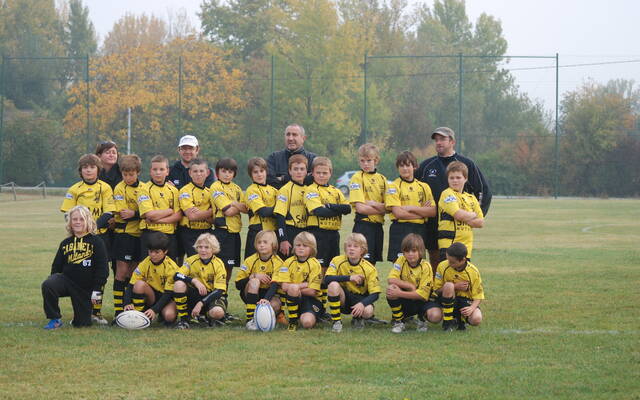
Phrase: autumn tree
[134,31]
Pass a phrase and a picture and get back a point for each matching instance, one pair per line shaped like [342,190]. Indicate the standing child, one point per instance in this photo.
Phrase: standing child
[97,196]
[261,200]
[195,203]
[366,195]
[127,227]
[300,277]
[353,284]
[410,283]
[290,211]
[459,211]
[201,284]
[150,289]
[410,202]
[254,278]
[460,288]
[228,201]
[79,270]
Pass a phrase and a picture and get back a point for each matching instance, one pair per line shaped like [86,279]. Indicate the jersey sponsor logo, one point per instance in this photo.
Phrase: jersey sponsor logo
[185,195]
[397,267]
[137,271]
[438,275]
[392,190]
[312,195]
[433,173]
[144,197]
[243,267]
[253,197]
[284,269]
[68,196]
[282,198]
[186,265]
[217,194]
[118,197]
[450,199]
[354,186]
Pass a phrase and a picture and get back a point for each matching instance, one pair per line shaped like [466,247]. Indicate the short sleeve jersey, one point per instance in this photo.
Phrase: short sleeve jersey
[470,273]
[97,197]
[212,275]
[259,196]
[294,271]
[158,276]
[316,196]
[158,197]
[450,230]
[254,265]
[421,276]
[194,196]
[405,193]
[290,204]
[222,195]
[365,186]
[126,197]
[341,266]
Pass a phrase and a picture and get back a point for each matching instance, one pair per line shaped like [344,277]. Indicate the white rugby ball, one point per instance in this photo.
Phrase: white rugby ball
[265,317]
[132,319]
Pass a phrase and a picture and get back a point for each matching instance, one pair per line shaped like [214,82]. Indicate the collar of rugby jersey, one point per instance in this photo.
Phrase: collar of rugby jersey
[411,181]
[370,173]
[161,261]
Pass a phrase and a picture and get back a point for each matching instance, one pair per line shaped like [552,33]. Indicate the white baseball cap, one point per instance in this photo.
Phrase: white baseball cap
[188,140]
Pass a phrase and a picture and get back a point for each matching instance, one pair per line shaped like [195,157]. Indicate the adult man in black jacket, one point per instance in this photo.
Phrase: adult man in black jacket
[188,148]
[432,171]
[278,161]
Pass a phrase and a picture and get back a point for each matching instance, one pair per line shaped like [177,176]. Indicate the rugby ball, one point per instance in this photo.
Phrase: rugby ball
[132,319]
[265,317]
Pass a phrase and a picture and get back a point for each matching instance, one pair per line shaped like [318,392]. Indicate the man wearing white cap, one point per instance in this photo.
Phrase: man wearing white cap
[188,150]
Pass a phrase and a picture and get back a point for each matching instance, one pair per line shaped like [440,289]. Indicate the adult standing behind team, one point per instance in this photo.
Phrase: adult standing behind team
[432,171]
[278,161]
[110,173]
[188,149]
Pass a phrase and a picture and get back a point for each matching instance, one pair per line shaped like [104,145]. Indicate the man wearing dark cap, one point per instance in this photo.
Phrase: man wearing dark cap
[188,149]
[278,161]
[432,171]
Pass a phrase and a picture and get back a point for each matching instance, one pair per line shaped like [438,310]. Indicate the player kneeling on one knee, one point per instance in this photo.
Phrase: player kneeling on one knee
[353,284]
[254,278]
[410,283]
[459,286]
[201,283]
[150,289]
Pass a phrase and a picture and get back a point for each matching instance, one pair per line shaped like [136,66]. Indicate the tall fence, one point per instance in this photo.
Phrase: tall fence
[54,109]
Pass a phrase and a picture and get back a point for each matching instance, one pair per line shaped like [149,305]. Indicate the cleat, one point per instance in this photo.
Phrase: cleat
[326,317]
[462,326]
[231,317]
[449,326]
[421,326]
[215,323]
[375,321]
[182,325]
[398,327]
[53,324]
[281,318]
[293,327]
[408,320]
[357,323]
[251,325]
[98,319]
[337,327]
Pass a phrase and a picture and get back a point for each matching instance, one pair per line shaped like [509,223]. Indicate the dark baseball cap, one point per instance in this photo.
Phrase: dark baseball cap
[444,131]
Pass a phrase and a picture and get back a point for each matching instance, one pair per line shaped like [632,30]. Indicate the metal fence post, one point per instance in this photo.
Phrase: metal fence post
[4,59]
[87,104]
[365,125]
[460,94]
[272,103]
[555,173]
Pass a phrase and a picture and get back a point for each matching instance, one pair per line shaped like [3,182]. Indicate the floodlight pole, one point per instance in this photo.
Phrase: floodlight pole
[555,175]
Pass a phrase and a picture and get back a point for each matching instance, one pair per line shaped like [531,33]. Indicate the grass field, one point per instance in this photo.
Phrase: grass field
[562,281]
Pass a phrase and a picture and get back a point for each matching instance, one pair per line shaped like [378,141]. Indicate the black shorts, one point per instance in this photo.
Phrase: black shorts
[312,305]
[397,232]
[375,238]
[108,237]
[261,294]
[249,247]
[430,236]
[230,244]
[188,237]
[328,243]
[173,244]
[350,299]
[127,248]
[417,307]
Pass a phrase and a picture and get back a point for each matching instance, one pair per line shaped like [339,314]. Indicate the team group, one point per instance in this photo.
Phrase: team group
[173,241]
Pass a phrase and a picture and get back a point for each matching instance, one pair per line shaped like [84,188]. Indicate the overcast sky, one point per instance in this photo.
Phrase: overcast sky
[581,31]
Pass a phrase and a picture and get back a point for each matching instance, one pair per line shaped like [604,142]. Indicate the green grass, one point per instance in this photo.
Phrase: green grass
[561,321]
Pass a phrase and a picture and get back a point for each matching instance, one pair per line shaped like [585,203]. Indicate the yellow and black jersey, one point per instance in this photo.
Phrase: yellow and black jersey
[254,265]
[450,230]
[259,196]
[405,193]
[158,197]
[212,275]
[97,197]
[222,195]
[317,196]
[126,197]
[420,276]
[294,271]
[158,276]
[470,273]
[365,186]
[342,266]
[194,196]
[290,204]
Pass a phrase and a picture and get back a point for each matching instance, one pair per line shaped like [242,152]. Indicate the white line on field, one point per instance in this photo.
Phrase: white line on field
[589,228]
